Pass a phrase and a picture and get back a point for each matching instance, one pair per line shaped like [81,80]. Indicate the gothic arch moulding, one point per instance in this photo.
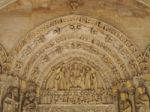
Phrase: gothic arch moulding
[4,60]
[146,60]
[63,44]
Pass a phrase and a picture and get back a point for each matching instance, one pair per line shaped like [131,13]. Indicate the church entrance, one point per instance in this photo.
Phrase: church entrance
[75,64]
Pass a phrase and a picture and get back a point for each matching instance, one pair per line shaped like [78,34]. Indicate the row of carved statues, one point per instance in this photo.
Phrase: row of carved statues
[129,99]
[132,98]
[13,95]
[76,97]
[73,76]
[25,97]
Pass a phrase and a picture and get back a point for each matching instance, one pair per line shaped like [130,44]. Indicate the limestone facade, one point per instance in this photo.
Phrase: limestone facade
[75,56]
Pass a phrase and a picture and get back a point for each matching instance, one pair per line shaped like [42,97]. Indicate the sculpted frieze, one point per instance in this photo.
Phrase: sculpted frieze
[47,63]
[107,60]
[97,108]
[74,84]
[75,96]
[110,39]
[71,76]
[47,72]
[81,19]
[98,43]
[81,63]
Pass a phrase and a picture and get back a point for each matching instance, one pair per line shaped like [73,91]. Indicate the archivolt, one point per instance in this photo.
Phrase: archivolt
[146,61]
[74,33]
[4,61]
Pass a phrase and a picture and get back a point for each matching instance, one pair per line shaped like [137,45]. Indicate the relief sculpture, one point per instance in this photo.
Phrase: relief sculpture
[74,64]
[74,75]
[143,98]
[125,103]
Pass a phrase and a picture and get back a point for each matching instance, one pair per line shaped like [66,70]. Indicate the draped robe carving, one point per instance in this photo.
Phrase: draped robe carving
[125,103]
[143,99]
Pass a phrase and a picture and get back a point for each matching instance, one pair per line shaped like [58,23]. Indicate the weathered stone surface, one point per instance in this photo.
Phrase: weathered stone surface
[75,56]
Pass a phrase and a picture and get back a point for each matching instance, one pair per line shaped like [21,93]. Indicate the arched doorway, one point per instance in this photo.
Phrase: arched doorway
[75,61]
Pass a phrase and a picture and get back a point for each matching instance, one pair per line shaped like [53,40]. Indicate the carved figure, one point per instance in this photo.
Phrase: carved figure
[143,99]
[125,103]
[94,81]
[75,3]
[10,100]
[29,101]
[60,81]
[88,78]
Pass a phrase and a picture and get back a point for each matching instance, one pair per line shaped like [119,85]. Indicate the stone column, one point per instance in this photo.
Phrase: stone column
[21,93]
[116,103]
[131,91]
[116,98]
[20,102]
[132,98]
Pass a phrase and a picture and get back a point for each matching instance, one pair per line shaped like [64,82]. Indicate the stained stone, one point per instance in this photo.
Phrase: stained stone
[74,56]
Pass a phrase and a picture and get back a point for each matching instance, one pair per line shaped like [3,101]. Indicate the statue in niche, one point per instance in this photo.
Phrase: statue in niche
[60,81]
[143,99]
[125,103]
[74,76]
[67,76]
[82,78]
[29,102]
[8,94]
[10,100]
[78,76]
[71,79]
[51,82]
[93,81]
[88,78]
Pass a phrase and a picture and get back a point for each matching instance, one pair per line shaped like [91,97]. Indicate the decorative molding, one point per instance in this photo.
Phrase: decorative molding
[79,62]
[4,3]
[146,60]
[4,60]
[119,54]
[144,2]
